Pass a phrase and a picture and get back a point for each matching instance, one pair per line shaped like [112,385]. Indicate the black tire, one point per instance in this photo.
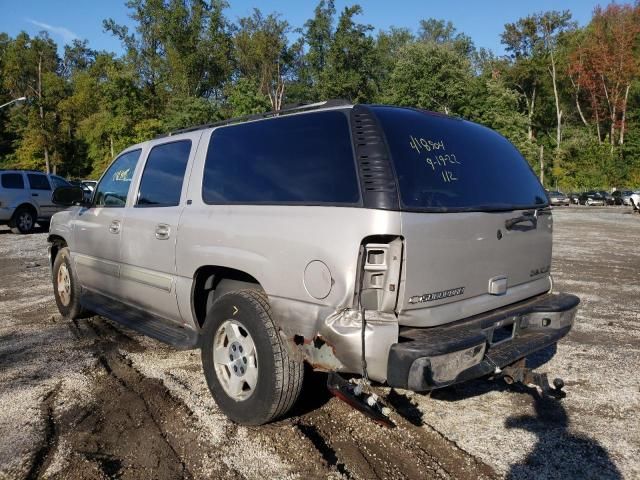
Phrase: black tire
[23,220]
[69,308]
[279,377]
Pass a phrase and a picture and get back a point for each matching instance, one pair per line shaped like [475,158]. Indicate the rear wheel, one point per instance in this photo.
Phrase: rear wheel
[23,220]
[248,369]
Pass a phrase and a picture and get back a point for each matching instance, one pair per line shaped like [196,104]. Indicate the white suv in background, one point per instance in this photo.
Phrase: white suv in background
[635,200]
[25,198]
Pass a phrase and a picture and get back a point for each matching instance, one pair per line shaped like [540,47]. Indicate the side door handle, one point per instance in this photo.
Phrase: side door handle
[115,227]
[163,231]
[34,194]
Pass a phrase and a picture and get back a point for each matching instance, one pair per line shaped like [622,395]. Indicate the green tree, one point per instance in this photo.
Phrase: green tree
[350,62]
[430,76]
[262,54]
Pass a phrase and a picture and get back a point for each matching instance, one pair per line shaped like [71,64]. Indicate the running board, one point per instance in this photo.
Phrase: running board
[140,320]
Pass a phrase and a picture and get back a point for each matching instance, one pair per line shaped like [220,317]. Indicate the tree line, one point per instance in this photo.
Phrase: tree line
[566,96]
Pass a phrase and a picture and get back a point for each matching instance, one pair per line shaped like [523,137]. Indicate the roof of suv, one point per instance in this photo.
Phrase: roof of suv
[325,105]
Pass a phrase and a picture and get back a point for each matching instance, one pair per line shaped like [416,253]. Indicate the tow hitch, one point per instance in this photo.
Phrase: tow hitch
[353,394]
[519,373]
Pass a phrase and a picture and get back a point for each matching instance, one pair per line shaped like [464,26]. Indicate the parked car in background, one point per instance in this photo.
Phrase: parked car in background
[634,200]
[574,198]
[607,197]
[558,198]
[87,187]
[266,242]
[25,198]
[626,197]
[90,184]
[618,196]
[591,198]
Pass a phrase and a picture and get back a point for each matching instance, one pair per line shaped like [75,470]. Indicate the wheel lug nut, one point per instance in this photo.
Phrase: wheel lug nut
[240,348]
[233,347]
[235,369]
[231,357]
[244,359]
[242,370]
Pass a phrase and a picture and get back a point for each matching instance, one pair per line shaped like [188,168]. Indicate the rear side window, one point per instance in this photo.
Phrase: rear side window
[163,174]
[446,164]
[13,181]
[38,182]
[300,159]
[114,186]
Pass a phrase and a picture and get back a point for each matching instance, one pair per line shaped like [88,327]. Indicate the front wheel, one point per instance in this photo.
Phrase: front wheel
[66,287]
[248,369]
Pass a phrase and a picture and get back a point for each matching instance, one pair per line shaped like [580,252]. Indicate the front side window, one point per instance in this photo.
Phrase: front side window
[299,159]
[38,182]
[13,181]
[113,189]
[446,164]
[161,182]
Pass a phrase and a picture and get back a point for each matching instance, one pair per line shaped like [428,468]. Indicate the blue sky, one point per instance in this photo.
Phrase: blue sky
[483,21]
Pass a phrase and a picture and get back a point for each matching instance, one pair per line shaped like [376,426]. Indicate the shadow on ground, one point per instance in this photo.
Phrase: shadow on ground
[557,452]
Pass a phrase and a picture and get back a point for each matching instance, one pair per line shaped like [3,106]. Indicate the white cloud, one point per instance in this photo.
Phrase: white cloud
[67,35]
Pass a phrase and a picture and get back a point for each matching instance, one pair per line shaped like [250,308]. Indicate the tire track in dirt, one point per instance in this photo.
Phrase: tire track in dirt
[134,428]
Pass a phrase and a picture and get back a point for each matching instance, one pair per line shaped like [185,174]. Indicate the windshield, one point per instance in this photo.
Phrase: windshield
[446,164]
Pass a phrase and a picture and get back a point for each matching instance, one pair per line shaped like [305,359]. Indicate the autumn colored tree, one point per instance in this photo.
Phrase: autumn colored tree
[606,63]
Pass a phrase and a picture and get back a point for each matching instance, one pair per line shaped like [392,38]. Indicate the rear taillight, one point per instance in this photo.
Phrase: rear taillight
[379,275]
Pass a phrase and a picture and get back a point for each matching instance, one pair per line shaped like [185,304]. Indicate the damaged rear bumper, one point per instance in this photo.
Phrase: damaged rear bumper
[428,358]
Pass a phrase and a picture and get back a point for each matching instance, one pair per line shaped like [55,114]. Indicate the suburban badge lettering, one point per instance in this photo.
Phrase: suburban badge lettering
[431,297]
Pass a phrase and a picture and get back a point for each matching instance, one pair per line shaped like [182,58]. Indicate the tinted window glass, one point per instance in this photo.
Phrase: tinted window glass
[445,164]
[306,159]
[38,182]
[161,182]
[12,180]
[114,186]
[58,181]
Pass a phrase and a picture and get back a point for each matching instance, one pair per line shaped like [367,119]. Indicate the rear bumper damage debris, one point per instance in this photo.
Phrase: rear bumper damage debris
[338,344]
[429,358]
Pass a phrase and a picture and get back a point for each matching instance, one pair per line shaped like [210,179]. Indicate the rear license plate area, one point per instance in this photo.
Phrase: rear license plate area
[502,333]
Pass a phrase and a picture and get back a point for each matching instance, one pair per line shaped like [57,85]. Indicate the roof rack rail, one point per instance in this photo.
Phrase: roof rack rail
[21,170]
[336,102]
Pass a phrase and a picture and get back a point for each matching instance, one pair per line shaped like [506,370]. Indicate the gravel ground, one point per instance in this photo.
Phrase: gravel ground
[90,399]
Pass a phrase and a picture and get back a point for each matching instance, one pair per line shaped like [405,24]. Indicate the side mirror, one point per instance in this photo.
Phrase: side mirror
[68,196]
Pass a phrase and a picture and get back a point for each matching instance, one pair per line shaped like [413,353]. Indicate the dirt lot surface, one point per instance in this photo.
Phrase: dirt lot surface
[91,399]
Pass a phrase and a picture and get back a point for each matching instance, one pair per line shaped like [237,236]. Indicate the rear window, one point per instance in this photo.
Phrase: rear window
[301,159]
[446,164]
[13,181]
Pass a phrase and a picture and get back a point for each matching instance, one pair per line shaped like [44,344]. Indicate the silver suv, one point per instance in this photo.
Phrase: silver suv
[25,198]
[404,245]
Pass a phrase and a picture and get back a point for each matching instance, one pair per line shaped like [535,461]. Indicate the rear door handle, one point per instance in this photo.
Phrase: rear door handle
[163,231]
[114,227]
[532,217]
